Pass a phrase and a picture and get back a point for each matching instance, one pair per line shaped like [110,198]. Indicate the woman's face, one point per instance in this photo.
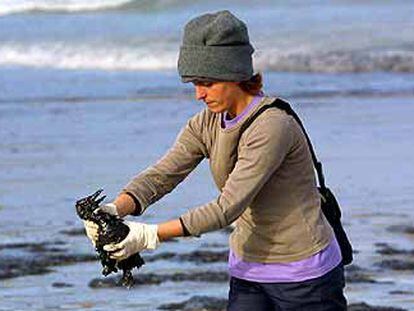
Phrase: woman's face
[218,96]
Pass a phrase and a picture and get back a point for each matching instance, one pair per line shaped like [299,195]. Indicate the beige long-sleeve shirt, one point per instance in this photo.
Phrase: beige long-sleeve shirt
[271,191]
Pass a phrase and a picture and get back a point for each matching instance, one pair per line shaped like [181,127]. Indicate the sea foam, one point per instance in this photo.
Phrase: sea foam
[63,56]
[66,55]
[22,6]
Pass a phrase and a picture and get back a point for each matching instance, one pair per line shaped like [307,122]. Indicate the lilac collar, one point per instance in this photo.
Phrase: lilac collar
[229,123]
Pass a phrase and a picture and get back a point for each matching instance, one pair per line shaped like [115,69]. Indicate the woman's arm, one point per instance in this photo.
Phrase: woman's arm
[126,205]
[161,178]
[170,229]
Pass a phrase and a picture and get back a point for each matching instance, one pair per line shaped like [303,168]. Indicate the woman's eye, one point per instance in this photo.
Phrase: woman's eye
[203,83]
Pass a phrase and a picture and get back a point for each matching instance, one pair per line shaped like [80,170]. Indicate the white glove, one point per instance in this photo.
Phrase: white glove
[109,208]
[91,229]
[140,237]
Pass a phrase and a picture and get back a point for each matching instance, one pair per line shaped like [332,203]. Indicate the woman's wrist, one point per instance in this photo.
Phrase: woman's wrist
[170,229]
[125,204]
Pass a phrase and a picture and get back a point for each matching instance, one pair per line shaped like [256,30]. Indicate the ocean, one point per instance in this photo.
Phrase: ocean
[90,96]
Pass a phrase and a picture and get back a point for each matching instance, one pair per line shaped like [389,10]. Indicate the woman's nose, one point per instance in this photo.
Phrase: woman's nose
[200,92]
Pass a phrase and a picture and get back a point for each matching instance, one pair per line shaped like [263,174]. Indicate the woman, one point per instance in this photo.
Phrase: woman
[283,253]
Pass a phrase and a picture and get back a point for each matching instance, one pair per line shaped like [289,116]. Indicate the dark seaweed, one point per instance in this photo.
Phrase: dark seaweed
[112,229]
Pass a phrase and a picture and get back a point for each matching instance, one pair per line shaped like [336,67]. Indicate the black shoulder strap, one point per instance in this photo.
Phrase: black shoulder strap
[281,104]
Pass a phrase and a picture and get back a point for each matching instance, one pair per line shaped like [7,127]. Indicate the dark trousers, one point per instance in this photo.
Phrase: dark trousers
[321,294]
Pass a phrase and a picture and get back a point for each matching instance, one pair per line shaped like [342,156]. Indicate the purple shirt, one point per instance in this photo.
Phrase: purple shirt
[296,271]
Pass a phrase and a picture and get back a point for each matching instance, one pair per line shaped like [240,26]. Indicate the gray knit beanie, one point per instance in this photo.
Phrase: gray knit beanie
[215,47]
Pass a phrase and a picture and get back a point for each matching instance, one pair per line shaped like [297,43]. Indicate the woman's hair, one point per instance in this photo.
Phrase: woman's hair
[254,85]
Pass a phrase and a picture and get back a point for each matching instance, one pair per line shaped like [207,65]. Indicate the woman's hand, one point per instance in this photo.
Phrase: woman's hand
[140,237]
[108,208]
[91,229]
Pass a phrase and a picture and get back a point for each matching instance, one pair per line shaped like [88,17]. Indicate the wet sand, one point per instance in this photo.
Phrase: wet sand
[53,153]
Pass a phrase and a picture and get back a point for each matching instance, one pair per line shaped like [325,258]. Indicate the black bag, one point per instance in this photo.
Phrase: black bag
[329,204]
[332,212]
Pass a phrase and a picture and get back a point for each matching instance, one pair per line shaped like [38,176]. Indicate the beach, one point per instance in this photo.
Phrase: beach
[89,97]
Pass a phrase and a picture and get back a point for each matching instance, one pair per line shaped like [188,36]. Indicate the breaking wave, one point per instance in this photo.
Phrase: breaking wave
[341,61]
[52,6]
[66,56]
[27,6]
